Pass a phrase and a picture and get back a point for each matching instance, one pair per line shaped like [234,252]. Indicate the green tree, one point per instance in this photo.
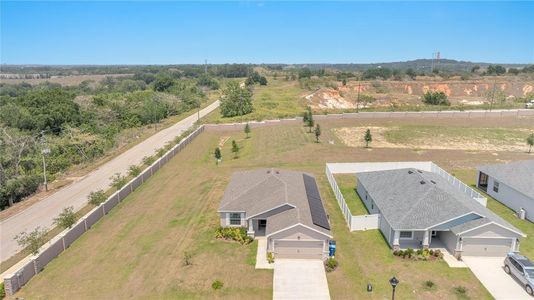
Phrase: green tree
[530,142]
[411,73]
[496,70]
[368,137]
[247,130]
[217,155]
[118,181]
[262,80]
[436,98]
[32,241]
[310,122]
[236,101]
[344,82]
[317,132]
[475,69]
[163,83]
[66,218]
[134,170]
[235,148]
[96,198]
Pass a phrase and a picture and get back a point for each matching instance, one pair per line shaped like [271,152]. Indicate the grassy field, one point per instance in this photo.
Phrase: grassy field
[278,99]
[137,250]
[347,185]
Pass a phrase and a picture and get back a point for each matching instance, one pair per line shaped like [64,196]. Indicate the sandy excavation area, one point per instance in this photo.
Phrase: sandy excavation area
[420,138]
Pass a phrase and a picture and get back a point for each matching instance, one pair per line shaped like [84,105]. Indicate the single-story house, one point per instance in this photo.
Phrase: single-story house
[283,206]
[512,184]
[420,209]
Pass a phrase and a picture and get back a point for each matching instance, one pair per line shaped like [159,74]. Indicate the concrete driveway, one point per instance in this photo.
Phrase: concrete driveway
[489,270]
[299,279]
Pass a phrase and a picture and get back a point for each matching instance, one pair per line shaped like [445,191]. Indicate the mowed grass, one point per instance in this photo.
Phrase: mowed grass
[137,250]
[527,245]
[347,186]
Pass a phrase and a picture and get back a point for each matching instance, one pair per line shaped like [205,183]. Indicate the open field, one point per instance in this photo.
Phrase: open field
[63,80]
[137,250]
[439,137]
[282,98]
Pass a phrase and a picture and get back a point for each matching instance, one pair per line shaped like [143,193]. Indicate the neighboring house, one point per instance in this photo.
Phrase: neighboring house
[283,206]
[420,209]
[512,184]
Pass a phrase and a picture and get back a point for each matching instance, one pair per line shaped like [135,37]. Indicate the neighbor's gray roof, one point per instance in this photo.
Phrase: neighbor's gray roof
[406,203]
[258,191]
[518,175]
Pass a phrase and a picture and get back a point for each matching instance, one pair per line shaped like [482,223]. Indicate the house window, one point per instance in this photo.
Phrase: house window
[434,233]
[496,187]
[372,205]
[235,219]
[406,235]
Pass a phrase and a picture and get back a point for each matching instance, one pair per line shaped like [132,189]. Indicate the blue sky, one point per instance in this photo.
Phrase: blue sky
[264,32]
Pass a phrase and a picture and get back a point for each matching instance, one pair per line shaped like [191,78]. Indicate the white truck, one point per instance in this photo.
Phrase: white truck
[529,104]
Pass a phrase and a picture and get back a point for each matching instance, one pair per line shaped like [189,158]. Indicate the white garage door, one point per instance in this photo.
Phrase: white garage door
[486,247]
[298,249]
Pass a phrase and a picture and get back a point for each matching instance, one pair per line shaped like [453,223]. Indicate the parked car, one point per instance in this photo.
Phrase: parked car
[529,104]
[522,268]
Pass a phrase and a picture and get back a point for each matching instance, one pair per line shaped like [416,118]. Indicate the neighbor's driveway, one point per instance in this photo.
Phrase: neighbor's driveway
[489,270]
[299,279]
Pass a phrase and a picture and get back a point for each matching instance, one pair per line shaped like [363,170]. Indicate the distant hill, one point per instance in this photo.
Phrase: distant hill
[418,65]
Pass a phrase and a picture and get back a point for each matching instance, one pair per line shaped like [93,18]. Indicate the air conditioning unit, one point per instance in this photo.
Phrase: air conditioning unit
[522,213]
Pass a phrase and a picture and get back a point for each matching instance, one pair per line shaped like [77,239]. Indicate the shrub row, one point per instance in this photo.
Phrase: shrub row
[420,254]
[238,234]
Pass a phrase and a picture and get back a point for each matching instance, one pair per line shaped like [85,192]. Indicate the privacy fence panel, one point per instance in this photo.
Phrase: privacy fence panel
[16,279]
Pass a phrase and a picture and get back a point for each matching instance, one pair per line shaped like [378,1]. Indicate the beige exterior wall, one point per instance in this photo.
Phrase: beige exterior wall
[297,233]
[491,230]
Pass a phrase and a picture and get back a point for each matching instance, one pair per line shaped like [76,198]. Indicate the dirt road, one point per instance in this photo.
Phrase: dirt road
[43,212]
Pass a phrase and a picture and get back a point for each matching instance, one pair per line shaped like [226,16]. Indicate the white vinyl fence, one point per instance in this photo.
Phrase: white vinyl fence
[364,222]
[22,272]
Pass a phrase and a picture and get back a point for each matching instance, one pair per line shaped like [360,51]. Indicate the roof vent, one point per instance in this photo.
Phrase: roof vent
[410,172]
[420,171]
[433,181]
[422,182]
[268,171]
[277,172]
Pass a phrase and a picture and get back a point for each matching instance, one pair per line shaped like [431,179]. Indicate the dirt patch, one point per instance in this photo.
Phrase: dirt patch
[387,137]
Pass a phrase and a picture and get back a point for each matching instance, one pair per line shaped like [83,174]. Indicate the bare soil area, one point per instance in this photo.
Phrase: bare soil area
[424,137]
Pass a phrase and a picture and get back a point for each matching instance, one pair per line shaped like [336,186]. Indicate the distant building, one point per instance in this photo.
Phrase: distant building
[512,184]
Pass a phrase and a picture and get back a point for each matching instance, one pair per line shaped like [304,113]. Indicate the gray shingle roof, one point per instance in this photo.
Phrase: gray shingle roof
[417,200]
[258,191]
[518,175]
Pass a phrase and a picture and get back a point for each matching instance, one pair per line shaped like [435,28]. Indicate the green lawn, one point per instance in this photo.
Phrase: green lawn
[347,185]
[137,250]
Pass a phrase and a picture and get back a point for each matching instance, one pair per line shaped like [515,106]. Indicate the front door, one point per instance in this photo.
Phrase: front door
[262,224]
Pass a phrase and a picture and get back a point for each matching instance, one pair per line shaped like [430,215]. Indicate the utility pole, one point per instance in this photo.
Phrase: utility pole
[44,151]
[358,97]
[493,94]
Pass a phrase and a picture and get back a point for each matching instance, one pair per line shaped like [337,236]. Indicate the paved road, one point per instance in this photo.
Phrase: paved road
[43,212]
[489,270]
[299,279]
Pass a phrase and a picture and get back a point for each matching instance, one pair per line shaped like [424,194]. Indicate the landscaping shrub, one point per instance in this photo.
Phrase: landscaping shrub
[2,291]
[217,285]
[429,284]
[238,234]
[420,254]
[187,259]
[460,290]
[270,257]
[330,264]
